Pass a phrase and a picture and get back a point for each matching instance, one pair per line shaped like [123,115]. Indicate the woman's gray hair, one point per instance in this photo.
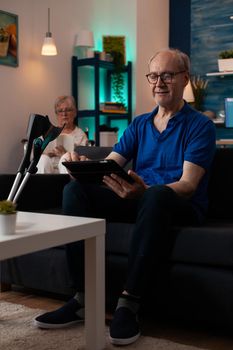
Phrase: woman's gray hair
[61,99]
[183,59]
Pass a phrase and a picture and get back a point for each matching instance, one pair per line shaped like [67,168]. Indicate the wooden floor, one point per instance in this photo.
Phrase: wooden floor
[184,335]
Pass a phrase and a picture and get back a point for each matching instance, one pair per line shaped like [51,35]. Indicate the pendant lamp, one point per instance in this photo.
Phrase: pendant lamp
[49,47]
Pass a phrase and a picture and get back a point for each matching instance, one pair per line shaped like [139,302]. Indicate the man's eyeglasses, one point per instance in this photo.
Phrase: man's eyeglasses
[166,77]
[65,110]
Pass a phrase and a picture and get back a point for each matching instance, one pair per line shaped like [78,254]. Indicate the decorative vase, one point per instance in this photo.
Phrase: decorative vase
[225,65]
[7,224]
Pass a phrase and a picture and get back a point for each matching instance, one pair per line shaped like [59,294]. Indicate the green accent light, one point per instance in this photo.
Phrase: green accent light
[121,124]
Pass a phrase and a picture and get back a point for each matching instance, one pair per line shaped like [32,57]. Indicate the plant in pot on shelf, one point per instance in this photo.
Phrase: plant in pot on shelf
[8,215]
[115,46]
[225,61]
[199,86]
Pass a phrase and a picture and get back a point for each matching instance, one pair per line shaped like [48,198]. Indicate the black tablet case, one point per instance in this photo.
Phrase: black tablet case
[92,171]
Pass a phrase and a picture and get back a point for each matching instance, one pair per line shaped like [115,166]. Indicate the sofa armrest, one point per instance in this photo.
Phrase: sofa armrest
[41,192]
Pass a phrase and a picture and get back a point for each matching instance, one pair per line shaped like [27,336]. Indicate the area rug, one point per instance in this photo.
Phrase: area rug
[18,332]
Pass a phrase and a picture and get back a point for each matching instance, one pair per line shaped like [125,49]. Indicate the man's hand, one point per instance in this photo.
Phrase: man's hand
[73,157]
[123,188]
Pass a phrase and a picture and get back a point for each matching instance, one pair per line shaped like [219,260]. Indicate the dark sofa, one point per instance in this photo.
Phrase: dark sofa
[196,286]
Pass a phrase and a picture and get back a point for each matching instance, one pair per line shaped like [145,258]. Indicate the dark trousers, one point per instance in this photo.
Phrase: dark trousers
[154,214]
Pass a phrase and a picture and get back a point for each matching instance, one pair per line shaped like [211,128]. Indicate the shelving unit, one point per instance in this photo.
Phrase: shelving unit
[98,64]
[219,74]
[219,123]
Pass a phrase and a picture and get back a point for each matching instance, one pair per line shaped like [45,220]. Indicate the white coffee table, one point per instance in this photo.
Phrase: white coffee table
[36,232]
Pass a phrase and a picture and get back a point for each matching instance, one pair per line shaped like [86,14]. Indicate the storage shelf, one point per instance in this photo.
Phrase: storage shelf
[219,74]
[102,64]
[224,142]
[91,113]
[110,68]
[218,121]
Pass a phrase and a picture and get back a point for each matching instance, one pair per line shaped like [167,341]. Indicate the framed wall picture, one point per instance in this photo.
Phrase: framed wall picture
[115,45]
[8,39]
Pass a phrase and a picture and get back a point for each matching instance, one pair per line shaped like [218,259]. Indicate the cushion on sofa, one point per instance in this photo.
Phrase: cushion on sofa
[220,190]
[210,245]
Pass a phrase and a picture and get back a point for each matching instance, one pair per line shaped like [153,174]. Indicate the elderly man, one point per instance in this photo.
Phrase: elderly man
[172,149]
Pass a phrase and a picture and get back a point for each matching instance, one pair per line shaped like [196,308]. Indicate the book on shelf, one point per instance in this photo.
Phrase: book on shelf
[120,111]
[112,107]
[229,112]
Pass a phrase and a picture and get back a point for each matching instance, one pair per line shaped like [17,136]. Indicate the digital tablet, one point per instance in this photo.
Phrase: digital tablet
[92,171]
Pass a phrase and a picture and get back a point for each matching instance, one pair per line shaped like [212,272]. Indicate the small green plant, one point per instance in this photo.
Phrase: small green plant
[226,54]
[118,86]
[118,78]
[115,46]
[199,86]
[7,207]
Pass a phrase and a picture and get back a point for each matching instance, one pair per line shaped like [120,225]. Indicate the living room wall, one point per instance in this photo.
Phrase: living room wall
[211,34]
[33,86]
[208,31]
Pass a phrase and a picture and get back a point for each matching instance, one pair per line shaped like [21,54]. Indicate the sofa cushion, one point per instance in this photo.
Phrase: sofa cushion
[220,189]
[210,245]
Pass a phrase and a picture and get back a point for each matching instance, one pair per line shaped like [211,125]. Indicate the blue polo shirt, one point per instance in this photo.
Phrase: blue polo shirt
[158,157]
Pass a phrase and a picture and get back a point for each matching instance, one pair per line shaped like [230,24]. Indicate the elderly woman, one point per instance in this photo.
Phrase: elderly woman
[65,109]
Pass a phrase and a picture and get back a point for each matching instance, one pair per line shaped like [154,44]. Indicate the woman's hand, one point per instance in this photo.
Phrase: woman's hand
[59,151]
[56,152]
[123,188]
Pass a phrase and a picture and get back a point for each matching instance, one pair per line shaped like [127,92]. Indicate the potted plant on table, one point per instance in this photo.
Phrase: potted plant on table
[8,215]
[225,61]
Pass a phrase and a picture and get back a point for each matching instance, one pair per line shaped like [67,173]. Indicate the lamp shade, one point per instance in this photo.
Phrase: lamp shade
[84,38]
[188,93]
[49,47]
